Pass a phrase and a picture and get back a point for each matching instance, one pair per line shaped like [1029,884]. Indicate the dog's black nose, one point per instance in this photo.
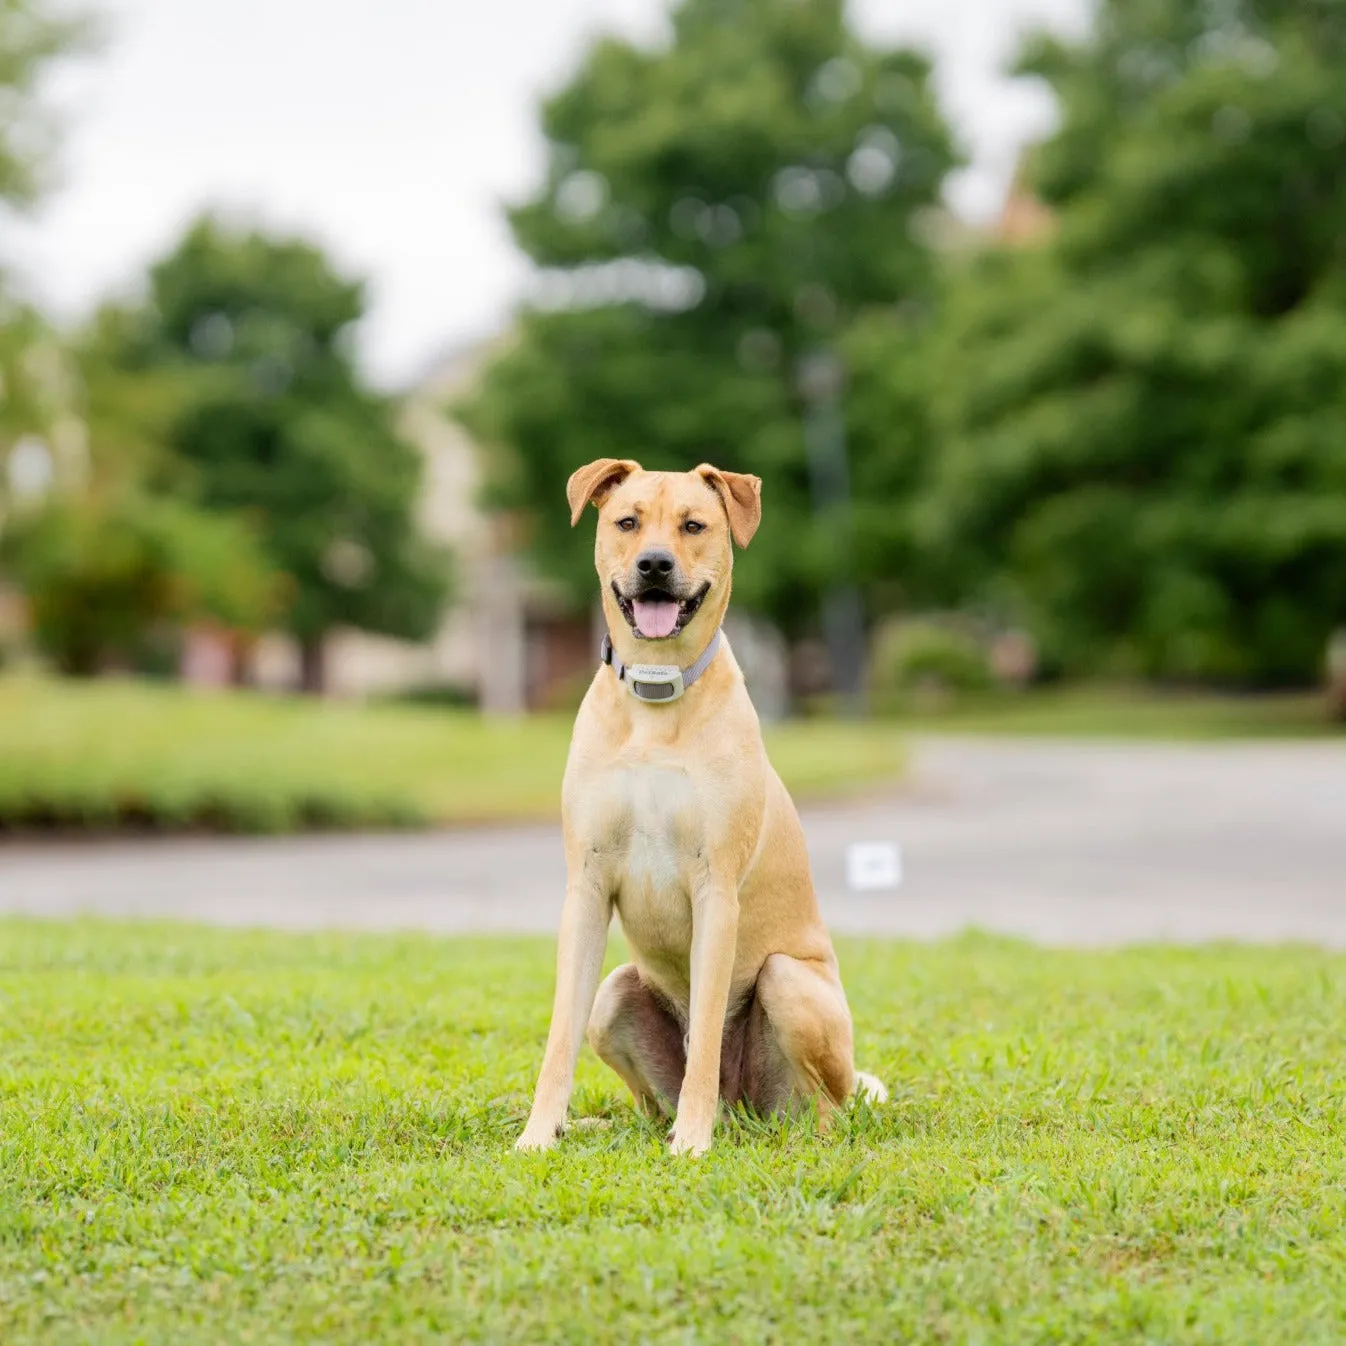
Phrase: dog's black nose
[655,565]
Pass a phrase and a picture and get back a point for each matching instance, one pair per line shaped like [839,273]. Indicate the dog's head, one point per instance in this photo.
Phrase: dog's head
[664,550]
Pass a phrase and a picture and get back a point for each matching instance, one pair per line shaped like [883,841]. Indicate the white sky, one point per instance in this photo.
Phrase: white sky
[390,130]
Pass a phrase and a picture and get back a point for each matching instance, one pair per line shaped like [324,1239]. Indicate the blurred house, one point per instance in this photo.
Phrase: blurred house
[1025,222]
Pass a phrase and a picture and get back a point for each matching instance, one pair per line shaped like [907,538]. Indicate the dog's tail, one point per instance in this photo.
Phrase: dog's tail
[870,1087]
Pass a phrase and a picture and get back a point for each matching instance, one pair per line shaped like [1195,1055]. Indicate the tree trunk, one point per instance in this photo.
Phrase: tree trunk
[313,666]
[240,659]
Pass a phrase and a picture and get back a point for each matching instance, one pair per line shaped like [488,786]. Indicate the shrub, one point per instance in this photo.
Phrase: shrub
[104,577]
[446,695]
[926,659]
[65,802]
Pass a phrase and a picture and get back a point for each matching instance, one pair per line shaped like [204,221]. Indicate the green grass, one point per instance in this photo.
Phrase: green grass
[108,754]
[1092,711]
[217,1137]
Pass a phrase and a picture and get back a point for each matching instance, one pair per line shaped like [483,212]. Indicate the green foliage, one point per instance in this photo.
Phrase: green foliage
[716,210]
[1138,430]
[1138,54]
[112,753]
[104,577]
[129,408]
[30,367]
[894,370]
[282,433]
[219,1135]
[33,35]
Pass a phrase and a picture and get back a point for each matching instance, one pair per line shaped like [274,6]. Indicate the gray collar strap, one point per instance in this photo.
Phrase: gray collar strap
[659,683]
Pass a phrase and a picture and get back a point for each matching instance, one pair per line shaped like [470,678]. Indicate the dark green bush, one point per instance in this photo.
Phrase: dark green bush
[927,659]
[76,806]
[104,578]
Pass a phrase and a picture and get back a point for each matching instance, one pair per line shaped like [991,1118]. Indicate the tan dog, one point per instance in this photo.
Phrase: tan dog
[674,816]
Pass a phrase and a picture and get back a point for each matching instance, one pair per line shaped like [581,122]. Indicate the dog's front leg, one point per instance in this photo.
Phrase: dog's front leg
[579,961]
[714,937]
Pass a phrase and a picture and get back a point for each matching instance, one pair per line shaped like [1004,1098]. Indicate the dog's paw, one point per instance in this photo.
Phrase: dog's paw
[538,1137]
[689,1140]
[870,1087]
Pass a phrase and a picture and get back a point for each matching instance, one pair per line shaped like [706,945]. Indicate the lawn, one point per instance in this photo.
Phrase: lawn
[1131,712]
[107,753]
[217,1137]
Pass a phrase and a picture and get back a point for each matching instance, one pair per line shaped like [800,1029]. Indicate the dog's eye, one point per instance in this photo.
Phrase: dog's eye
[627,524]
[691,526]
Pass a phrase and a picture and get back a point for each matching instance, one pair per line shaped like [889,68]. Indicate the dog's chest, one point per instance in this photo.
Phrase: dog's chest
[652,848]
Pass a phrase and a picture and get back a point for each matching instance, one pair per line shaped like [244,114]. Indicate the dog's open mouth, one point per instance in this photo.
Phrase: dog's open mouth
[656,614]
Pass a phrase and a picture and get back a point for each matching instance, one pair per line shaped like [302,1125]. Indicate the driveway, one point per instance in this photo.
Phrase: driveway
[1075,843]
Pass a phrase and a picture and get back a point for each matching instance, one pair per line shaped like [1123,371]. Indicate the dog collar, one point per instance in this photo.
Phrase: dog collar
[658,683]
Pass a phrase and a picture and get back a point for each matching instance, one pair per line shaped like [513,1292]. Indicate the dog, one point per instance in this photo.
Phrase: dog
[674,818]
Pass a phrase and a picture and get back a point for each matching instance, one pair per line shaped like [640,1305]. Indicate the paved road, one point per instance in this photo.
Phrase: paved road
[1065,843]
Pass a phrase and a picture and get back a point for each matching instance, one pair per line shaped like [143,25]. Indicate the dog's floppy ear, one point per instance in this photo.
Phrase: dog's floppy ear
[742,497]
[594,481]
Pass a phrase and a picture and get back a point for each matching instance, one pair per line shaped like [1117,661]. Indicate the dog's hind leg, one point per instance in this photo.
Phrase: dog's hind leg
[800,1045]
[639,1037]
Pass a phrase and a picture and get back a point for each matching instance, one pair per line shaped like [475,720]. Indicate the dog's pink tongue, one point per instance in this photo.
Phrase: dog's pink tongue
[655,619]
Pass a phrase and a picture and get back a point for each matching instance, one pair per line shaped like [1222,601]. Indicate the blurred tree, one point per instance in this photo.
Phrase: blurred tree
[33,34]
[717,210]
[105,570]
[112,574]
[1142,427]
[281,433]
